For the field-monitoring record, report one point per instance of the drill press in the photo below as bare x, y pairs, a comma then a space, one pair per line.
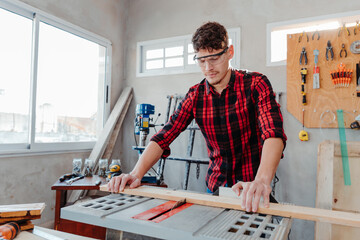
142, 121
142, 128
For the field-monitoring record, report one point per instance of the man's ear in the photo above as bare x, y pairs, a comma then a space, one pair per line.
231, 51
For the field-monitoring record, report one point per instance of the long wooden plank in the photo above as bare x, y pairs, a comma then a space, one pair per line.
119, 109
14, 219
18, 210
115, 133
293, 211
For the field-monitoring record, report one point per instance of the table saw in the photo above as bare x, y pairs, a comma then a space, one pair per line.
157, 218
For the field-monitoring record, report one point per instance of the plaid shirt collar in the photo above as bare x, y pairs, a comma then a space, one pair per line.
210, 89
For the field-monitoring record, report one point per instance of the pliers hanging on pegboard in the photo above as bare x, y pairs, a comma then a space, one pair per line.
316, 33
301, 35
343, 28
357, 27
343, 49
329, 48
303, 55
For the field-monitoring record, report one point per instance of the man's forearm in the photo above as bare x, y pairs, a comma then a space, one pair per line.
270, 158
148, 158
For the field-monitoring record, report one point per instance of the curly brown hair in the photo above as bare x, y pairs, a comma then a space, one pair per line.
210, 36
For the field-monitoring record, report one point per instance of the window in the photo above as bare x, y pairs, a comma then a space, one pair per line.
175, 55
53, 82
277, 32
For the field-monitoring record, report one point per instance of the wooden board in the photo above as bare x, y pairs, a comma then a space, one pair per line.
306, 213
119, 111
327, 99
331, 193
14, 219
26, 226
18, 210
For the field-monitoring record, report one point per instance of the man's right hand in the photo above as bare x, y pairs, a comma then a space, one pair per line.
118, 183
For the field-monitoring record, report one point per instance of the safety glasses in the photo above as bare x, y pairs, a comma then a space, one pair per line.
213, 59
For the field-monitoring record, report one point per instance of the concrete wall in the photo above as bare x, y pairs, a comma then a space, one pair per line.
28, 179
150, 20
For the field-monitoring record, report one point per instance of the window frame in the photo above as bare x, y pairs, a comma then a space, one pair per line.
343, 17
142, 47
36, 16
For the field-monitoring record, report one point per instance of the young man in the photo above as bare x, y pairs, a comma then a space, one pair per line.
238, 116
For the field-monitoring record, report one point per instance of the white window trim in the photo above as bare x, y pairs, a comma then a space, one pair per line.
186, 39
302, 22
37, 15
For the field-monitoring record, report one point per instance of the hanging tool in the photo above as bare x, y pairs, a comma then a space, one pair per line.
9, 231
329, 48
316, 33
303, 55
316, 75
343, 147
358, 79
301, 35
342, 76
303, 73
303, 135
357, 27
345, 29
355, 47
343, 49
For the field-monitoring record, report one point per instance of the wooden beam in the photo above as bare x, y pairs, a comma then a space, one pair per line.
19, 210
292, 211
118, 113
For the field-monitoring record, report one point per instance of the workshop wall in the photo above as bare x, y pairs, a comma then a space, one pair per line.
149, 20
26, 179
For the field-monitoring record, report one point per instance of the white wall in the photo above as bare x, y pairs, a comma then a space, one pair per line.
150, 20
28, 179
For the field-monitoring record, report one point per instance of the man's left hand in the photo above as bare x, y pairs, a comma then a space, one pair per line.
251, 194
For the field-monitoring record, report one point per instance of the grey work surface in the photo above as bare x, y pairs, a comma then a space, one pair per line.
195, 222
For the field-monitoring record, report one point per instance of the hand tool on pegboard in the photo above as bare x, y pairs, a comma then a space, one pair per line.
357, 27
316, 75
343, 50
303, 135
303, 55
329, 49
301, 35
345, 29
303, 73
316, 33
342, 76
358, 79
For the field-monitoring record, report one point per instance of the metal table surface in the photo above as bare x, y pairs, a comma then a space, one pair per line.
116, 212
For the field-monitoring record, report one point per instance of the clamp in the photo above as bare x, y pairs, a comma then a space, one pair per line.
300, 37
316, 33
343, 28
343, 49
329, 48
303, 55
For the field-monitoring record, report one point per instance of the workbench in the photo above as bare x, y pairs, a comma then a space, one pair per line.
87, 183
140, 215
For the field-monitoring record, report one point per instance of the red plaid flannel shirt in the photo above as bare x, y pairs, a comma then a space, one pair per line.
235, 124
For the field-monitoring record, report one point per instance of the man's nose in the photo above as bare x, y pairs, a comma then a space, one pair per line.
208, 66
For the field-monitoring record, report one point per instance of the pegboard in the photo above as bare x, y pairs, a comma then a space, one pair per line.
322, 103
